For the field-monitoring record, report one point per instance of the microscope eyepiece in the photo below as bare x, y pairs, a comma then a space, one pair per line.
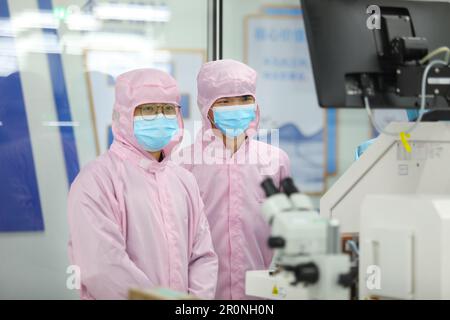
269, 187
288, 186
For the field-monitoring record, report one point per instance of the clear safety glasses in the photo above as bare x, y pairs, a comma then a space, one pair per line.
151, 111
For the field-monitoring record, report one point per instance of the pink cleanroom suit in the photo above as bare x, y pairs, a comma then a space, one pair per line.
230, 183
136, 222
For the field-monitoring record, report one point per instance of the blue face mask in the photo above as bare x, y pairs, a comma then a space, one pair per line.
234, 120
154, 135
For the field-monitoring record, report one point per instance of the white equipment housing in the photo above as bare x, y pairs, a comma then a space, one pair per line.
399, 202
405, 247
387, 168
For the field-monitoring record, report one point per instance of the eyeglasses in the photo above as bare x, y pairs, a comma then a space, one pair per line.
151, 111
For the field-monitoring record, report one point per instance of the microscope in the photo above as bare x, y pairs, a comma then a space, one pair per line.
308, 263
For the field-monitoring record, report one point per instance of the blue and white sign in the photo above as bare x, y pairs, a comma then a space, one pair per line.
277, 49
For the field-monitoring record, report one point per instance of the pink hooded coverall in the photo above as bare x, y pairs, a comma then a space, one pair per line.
230, 183
134, 221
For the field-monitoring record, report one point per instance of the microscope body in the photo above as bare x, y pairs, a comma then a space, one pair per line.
307, 254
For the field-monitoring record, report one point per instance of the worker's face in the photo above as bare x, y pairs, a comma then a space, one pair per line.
155, 124
229, 101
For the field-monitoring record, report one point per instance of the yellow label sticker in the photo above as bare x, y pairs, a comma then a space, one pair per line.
404, 138
275, 291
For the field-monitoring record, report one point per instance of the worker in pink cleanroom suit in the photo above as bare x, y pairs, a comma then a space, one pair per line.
229, 166
136, 218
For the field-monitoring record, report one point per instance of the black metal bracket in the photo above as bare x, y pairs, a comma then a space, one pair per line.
409, 81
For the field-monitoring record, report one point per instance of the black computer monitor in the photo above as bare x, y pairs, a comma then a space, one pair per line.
343, 49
